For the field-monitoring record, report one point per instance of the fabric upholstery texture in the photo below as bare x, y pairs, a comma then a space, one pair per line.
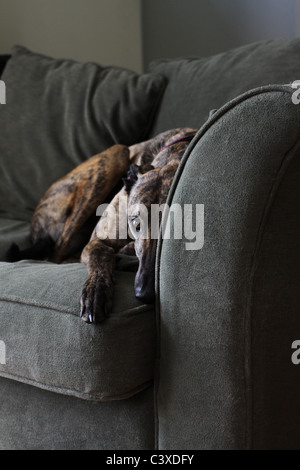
59, 113
228, 313
35, 419
197, 85
49, 346
13, 230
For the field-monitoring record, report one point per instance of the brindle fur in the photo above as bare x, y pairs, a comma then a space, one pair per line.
159, 179
64, 216
154, 163
70, 202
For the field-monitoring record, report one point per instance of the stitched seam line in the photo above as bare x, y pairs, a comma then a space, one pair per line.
49, 306
75, 393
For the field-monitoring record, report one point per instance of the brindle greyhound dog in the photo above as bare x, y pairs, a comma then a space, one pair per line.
65, 216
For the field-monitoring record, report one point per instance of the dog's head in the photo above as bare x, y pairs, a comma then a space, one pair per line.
148, 187
147, 195
147, 184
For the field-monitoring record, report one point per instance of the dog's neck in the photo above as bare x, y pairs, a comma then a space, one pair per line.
181, 139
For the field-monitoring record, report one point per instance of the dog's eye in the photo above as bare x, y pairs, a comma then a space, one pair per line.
137, 224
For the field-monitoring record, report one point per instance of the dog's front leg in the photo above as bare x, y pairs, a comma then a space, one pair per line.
97, 292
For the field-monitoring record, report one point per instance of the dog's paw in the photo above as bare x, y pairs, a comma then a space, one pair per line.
96, 298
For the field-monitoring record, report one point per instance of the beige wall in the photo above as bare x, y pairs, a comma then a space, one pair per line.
106, 31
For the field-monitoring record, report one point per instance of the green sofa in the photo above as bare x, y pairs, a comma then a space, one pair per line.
209, 366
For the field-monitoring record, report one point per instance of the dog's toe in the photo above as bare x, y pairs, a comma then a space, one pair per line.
87, 316
96, 299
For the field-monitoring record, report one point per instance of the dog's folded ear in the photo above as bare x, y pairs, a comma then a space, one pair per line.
133, 173
145, 168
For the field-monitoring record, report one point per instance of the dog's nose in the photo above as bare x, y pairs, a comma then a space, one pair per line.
144, 296
144, 283
145, 293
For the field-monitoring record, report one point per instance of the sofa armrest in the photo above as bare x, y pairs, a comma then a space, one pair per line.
229, 312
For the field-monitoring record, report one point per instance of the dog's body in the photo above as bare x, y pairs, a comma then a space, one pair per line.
64, 218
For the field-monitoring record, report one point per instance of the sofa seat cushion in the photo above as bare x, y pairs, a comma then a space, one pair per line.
48, 345
13, 230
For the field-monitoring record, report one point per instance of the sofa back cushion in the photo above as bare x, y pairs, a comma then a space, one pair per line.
198, 85
60, 112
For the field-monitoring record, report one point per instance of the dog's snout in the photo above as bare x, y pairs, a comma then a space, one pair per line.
144, 284
144, 287
144, 295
